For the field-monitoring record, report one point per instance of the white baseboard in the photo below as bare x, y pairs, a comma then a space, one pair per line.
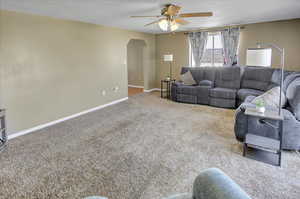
39, 127
151, 90
135, 86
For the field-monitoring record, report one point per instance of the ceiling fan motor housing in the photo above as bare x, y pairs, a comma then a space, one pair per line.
170, 10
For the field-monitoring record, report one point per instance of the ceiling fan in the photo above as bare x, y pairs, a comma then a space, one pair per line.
170, 19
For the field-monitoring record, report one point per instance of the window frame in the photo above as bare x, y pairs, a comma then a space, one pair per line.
213, 63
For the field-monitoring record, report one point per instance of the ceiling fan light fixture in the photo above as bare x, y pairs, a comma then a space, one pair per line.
163, 24
173, 26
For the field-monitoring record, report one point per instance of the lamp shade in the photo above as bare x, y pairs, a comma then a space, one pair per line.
259, 57
168, 58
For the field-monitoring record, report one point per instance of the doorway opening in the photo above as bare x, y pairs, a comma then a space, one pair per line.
135, 66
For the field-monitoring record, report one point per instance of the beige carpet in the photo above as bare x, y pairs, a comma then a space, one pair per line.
144, 148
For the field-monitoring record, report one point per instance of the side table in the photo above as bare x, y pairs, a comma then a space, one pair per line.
263, 148
166, 92
3, 136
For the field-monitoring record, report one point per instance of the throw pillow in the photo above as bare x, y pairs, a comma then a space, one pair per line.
271, 98
187, 78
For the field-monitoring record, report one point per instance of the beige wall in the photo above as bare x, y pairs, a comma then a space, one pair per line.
135, 53
51, 68
286, 34
176, 44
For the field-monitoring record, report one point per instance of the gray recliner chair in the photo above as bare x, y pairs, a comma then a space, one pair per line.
195, 94
213, 184
227, 84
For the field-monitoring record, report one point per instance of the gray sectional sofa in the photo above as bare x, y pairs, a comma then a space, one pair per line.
235, 87
225, 87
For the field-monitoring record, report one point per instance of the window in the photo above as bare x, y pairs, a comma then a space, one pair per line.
213, 55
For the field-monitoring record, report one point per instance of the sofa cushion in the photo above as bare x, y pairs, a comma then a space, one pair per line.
223, 103
225, 93
293, 95
187, 78
206, 83
292, 88
187, 98
203, 94
228, 77
245, 92
257, 78
209, 73
188, 90
289, 79
295, 104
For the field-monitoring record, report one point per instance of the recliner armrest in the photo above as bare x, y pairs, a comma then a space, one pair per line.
206, 83
213, 183
177, 83
249, 98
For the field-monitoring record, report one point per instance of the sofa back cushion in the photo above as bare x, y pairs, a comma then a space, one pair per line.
187, 78
228, 77
258, 78
289, 79
295, 103
293, 96
200, 73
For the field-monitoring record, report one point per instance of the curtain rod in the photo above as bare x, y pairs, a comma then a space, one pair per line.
215, 30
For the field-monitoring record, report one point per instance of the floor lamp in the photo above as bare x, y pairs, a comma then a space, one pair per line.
169, 58
262, 56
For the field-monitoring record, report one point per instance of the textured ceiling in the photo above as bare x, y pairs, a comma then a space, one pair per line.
116, 13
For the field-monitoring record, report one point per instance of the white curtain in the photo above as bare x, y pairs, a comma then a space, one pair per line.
198, 42
230, 41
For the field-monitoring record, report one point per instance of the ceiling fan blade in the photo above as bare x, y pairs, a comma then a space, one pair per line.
181, 21
157, 16
154, 22
197, 14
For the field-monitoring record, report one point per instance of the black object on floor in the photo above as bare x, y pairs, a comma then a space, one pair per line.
3, 137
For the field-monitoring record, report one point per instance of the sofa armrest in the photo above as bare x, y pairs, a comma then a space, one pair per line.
177, 83
206, 83
295, 102
272, 85
249, 99
214, 184
174, 86
291, 131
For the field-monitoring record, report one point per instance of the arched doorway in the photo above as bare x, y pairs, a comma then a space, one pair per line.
135, 66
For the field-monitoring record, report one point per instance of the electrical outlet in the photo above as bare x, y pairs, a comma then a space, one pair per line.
103, 92
115, 89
